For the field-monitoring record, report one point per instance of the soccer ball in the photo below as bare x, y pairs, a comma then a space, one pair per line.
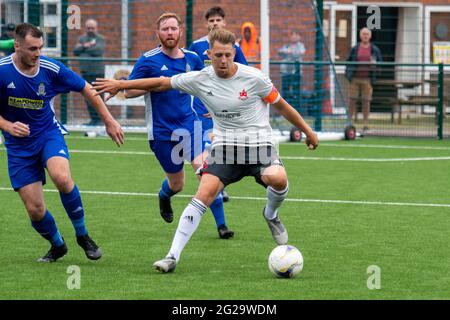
285, 261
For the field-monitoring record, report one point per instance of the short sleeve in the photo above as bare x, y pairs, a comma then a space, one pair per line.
266, 90
186, 82
140, 70
67, 80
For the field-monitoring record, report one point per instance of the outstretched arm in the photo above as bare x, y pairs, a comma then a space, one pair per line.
133, 93
287, 111
114, 86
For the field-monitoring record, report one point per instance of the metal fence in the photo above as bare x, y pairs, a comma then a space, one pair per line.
408, 95
408, 100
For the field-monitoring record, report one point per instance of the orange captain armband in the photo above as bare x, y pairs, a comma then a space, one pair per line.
273, 96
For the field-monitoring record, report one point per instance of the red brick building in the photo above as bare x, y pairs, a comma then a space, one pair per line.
407, 31
408, 28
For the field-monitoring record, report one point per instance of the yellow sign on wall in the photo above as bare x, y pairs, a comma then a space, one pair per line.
441, 52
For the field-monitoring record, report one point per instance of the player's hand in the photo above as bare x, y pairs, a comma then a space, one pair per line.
114, 130
19, 129
312, 141
102, 85
207, 115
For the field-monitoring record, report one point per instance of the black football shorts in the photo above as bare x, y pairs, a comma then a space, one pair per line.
232, 163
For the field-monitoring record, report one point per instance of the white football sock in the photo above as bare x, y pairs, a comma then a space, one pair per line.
188, 223
274, 200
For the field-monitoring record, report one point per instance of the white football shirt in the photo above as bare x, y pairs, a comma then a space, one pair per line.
238, 105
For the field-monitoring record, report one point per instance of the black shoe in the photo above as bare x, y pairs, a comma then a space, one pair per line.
165, 209
92, 251
225, 196
224, 233
54, 253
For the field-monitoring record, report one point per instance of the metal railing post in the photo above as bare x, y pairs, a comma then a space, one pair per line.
440, 106
64, 53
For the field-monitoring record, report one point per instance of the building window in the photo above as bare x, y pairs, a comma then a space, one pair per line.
50, 13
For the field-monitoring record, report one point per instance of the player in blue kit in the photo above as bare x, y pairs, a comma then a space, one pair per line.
215, 19
171, 120
34, 138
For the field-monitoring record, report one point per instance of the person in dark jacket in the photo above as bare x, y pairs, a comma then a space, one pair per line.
362, 76
91, 44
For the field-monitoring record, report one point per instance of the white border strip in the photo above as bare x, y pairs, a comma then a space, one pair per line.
148, 153
378, 203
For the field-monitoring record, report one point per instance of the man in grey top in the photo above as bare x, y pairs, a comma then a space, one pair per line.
91, 44
291, 73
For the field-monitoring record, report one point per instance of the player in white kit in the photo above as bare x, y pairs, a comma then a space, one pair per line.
237, 97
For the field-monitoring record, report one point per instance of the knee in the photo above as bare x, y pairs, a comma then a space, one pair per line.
279, 184
206, 196
275, 177
177, 186
36, 210
63, 182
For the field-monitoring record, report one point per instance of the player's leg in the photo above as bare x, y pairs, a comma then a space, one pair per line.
277, 188
27, 176
174, 181
270, 173
55, 157
216, 206
42, 220
170, 186
208, 136
208, 189
276, 180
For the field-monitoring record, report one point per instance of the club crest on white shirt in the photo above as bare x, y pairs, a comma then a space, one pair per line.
243, 95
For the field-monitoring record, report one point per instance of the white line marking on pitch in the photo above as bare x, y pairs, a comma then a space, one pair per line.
379, 146
366, 159
148, 153
346, 145
282, 157
143, 194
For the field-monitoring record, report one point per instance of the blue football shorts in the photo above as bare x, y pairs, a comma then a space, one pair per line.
207, 128
28, 166
172, 154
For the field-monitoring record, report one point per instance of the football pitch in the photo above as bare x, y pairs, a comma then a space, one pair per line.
371, 218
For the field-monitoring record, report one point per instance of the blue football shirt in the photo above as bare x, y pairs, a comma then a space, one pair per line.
169, 111
30, 99
201, 47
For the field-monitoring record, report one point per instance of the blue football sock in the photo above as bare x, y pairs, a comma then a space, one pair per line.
217, 210
165, 192
47, 228
74, 208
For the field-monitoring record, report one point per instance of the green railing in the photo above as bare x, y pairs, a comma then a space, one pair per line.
408, 99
